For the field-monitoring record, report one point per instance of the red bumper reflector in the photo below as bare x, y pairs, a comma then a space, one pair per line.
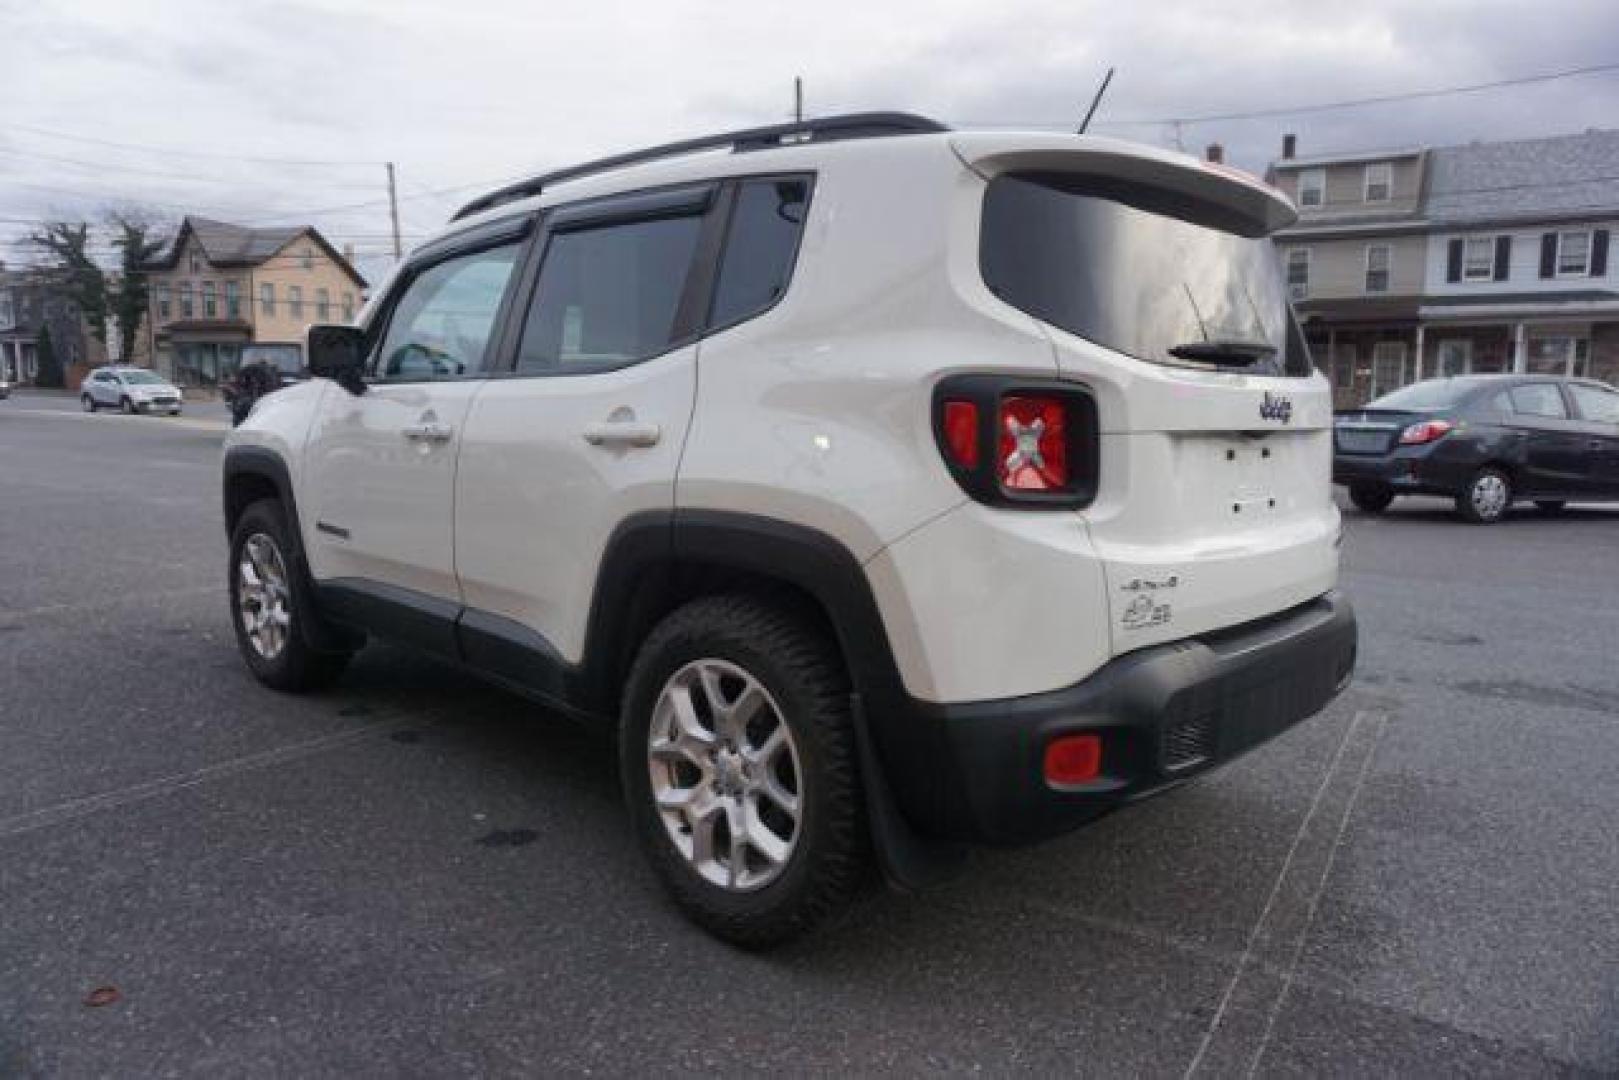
1073, 759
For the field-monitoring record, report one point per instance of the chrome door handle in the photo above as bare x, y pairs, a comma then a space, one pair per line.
428, 431
622, 433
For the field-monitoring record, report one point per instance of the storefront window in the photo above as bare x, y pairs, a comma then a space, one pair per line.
1455, 357
1558, 354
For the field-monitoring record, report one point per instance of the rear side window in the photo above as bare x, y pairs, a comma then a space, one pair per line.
609, 295
1596, 404
1138, 272
1538, 399
760, 248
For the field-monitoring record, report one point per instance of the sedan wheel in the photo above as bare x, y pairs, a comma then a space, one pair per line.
126, 407
1487, 498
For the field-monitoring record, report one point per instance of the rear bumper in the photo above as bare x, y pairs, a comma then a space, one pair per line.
1410, 471
1165, 714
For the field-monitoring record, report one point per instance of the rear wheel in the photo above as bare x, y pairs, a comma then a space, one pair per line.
1487, 497
1371, 498
87, 403
1550, 506
266, 605
737, 752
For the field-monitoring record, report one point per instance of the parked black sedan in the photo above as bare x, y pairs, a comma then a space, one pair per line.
1484, 440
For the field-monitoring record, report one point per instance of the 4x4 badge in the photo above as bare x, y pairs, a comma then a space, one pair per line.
1276, 407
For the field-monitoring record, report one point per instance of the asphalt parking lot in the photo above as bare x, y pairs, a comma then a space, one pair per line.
414, 874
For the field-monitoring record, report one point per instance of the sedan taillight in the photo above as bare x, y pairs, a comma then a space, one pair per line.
1425, 432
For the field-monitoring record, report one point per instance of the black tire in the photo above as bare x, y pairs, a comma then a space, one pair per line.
88, 403
1486, 498
802, 671
1551, 506
126, 406
296, 667
1371, 498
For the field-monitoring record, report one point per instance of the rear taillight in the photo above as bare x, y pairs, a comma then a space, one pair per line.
1034, 444
961, 433
1016, 443
1425, 432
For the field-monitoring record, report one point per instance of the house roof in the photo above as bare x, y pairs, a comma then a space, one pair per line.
227, 245
1565, 176
1345, 157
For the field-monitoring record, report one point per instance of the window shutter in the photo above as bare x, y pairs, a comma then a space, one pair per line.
1599, 253
1503, 257
1453, 268
1548, 255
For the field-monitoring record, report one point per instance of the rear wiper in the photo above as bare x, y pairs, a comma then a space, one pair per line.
1236, 353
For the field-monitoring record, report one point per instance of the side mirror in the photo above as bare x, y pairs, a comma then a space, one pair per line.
337, 352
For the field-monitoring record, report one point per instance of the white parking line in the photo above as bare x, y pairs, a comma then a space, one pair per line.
1227, 1041
34, 820
195, 423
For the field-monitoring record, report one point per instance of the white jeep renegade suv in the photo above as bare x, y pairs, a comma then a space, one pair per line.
890, 488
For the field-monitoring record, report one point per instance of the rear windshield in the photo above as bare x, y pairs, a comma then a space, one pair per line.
1427, 396
1138, 271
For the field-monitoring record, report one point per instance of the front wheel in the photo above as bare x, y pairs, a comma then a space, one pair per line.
266, 605
1486, 498
738, 759
126, 406
1371, 498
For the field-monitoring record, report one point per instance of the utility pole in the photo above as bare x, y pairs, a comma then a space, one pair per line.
393, 209
798, 99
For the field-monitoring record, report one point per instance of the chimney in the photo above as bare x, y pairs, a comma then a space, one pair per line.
348, 253
1215, 153
1290, 144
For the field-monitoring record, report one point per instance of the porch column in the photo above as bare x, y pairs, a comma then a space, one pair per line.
1332, 356
1417, 374
1520, 353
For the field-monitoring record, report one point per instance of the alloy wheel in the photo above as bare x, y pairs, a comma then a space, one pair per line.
726, 775
1489, 496
263, 596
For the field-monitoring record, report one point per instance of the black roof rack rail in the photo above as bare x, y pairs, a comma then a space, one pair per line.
827, 129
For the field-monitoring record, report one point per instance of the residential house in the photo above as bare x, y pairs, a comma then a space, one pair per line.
1518, 272
1488, 257
1355, 262
226, 294
30, 302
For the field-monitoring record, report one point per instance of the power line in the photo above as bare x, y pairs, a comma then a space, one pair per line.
104, 167
1327, 106
178, 152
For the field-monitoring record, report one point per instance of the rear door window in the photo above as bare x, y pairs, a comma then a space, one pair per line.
1138, 272
1538, 399
609, 295
760, 248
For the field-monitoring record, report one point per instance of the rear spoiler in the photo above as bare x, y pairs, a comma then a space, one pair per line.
1246, 205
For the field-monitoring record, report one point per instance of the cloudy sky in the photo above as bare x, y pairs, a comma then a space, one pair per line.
283, 112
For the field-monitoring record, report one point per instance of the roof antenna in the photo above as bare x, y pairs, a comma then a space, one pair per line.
1095, 101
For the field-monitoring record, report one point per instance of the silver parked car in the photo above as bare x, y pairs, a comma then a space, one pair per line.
129, 390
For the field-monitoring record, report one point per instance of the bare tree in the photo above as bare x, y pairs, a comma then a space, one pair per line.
78, 274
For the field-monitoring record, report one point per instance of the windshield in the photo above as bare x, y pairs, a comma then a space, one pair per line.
1128, 268
140, 378
1427, 396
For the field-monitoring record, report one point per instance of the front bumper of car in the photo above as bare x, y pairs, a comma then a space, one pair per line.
976, 772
